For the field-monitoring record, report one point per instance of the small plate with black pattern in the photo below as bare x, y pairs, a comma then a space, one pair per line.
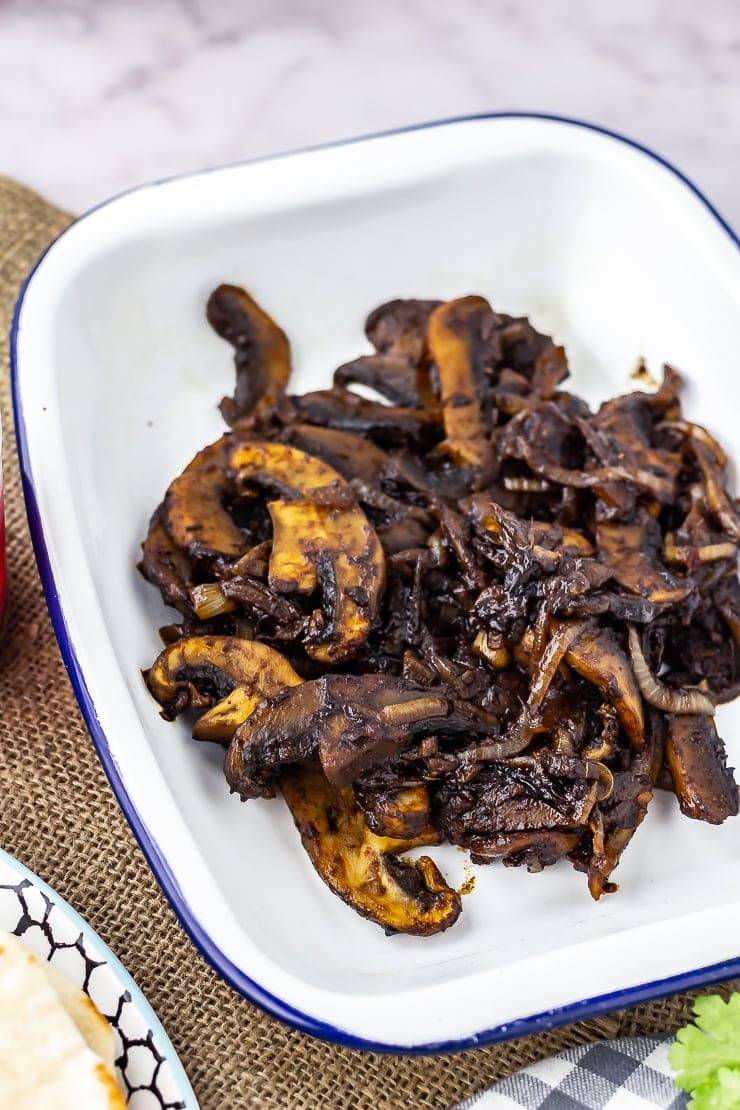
149, 1070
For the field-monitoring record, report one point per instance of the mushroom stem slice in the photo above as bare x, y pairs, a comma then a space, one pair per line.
598, 658
262, 350
452, 336
197, 671
697, 762
362, 868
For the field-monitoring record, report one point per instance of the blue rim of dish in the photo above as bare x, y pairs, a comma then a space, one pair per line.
235, 976
124, 977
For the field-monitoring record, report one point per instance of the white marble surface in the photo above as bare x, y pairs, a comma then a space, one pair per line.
99, 95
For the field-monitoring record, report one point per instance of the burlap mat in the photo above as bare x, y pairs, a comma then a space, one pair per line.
58, 815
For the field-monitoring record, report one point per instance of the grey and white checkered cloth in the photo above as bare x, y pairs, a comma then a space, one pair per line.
632, 1073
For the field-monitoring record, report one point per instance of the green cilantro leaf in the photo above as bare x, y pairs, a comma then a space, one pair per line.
720, 1093
707, 1054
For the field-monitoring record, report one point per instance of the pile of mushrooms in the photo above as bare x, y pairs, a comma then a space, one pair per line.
468, 610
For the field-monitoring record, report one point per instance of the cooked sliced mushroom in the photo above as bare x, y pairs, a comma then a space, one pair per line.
195, 512
392, 377
352, 455
323, 539
496, 544
262, 350
351, 721
597, 657
697, 761
550, 369
389, 425
198, 671
516, 796
615, 821
401, 814
534, 849
362, 868
166, 566
398, 328
290, 472
718, 502
630, 551
453, 333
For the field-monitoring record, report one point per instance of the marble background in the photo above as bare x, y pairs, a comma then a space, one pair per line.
99, 96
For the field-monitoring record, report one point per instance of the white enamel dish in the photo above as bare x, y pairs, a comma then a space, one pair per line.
149, 1071
116, 380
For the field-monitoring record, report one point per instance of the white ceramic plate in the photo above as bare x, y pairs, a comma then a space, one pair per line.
117, 376
148, 1068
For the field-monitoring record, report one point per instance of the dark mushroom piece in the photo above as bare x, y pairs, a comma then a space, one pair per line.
615, 821
362, 868
352, 455
226, 672
392, 377
398, 370
352, 722
597, 657
398, 328
387, 425
453, 335
697, 762
630, 551
321, 538
262, 350
524, 797
166, 566
534, 849
400, 813
195, 509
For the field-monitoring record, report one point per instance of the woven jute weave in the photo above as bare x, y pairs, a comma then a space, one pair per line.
58, 816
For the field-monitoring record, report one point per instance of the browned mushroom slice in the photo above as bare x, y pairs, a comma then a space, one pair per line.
197, 519
398, 328
616, 819
390, 425
392, 377
517, 796
197, 671
262, 350
362, 868
166, 566
531, 848
718, 502
401, 813
291, 472
597, 657
697, 761
322, 539
352, 455
215, 454
453, 334
550, 369
353, 721
630, 551
339, 551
